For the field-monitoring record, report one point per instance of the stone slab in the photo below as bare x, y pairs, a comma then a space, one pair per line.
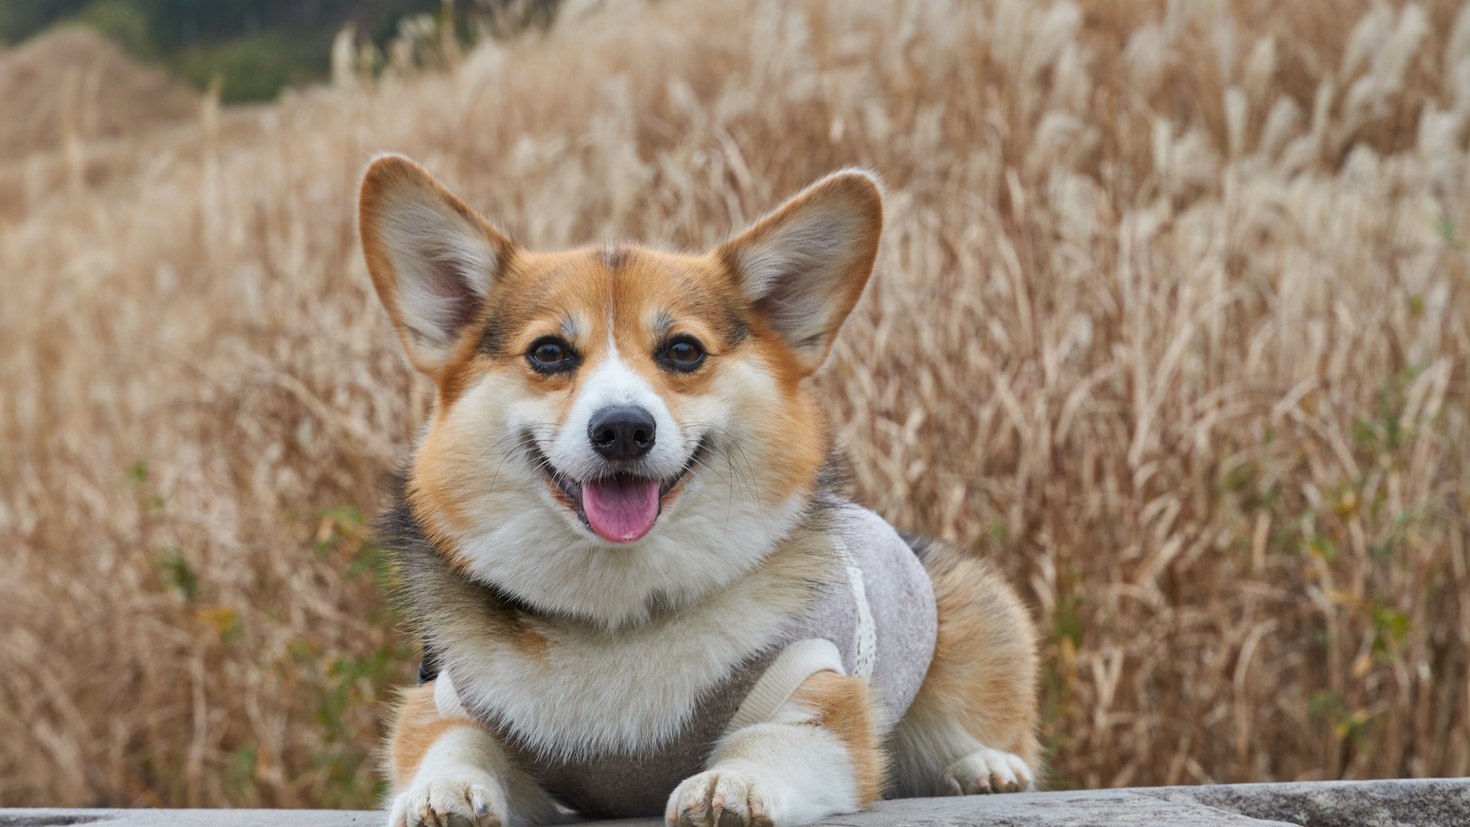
1404, 803
1342, 803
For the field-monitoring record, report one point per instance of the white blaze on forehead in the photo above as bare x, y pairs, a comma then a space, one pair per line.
613, 383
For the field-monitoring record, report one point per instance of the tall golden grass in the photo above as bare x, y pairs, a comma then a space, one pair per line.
1171, 320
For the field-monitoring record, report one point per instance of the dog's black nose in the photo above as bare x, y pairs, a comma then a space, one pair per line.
623, 432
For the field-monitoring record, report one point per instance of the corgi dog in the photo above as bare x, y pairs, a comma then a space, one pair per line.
624, 539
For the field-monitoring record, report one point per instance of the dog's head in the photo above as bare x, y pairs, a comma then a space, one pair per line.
615, 425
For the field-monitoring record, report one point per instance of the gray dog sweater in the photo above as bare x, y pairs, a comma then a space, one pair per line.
875, 619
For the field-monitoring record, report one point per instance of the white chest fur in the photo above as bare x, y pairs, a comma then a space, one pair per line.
591, 690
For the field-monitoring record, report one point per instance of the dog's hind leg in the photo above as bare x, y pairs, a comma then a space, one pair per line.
447, 769
972, 726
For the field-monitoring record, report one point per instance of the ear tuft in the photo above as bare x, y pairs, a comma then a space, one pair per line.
804, 266
432, 259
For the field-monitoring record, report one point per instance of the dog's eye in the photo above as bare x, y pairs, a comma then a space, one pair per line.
682, 354
551, 355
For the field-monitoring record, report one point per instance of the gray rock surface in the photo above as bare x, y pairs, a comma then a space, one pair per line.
1409, 803
1342, 803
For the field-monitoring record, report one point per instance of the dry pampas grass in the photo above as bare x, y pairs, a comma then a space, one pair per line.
1171, 320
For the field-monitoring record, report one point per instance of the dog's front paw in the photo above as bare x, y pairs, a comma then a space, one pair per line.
986, 771
471, 798
724, 797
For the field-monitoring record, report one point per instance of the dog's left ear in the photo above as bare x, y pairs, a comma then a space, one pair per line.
804, 266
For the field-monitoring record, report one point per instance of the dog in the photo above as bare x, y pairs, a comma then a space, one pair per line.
624, 538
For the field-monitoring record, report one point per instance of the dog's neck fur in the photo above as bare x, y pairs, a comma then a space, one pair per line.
509, 656
422, 563
535, 572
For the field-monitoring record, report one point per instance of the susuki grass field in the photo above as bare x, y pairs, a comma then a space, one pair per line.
1171, 319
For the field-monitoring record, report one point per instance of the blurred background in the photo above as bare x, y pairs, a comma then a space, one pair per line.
1171, 320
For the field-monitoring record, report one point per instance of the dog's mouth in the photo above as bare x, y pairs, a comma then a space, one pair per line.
621, 507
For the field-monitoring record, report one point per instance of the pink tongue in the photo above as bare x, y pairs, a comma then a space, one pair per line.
621, 509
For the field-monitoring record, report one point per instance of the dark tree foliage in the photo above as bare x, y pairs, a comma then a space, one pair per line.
254, 47
178, 24
20, 19
185, 23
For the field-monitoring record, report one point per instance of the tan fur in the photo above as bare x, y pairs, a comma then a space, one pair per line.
844, 707
417, 725
984, 671
579, 283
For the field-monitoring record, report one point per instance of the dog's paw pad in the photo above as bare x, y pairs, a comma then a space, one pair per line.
721, 798
467, 801
986, 771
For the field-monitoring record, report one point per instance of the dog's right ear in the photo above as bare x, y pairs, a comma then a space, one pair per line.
432, 259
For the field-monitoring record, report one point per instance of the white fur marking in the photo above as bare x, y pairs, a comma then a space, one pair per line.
786, 772
454, 780
593, 692
986, 770
614, 383
924, 746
